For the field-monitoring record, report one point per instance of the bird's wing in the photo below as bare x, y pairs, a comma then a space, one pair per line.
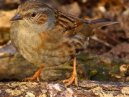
74, 25
68, 22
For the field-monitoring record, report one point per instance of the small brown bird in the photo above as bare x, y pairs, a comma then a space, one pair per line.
46, 36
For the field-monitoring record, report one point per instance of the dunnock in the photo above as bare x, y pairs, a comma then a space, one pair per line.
46, 36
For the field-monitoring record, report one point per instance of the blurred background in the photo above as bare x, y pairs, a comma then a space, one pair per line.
107, 55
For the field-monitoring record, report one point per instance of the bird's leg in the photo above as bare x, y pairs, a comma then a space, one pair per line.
36, 75
73, 78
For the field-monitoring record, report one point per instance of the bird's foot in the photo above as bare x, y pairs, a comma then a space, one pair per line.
72, 79
35, 76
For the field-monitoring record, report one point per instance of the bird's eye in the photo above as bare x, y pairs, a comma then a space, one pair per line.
33, 14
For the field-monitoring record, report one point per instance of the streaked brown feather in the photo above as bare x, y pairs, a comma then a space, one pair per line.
41, 19
67, 21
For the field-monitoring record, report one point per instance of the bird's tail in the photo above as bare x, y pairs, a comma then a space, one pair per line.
95, 24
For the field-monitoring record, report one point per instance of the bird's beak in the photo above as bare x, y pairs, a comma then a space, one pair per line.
16, 17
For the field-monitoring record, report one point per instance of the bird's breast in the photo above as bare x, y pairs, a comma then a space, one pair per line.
39, 48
